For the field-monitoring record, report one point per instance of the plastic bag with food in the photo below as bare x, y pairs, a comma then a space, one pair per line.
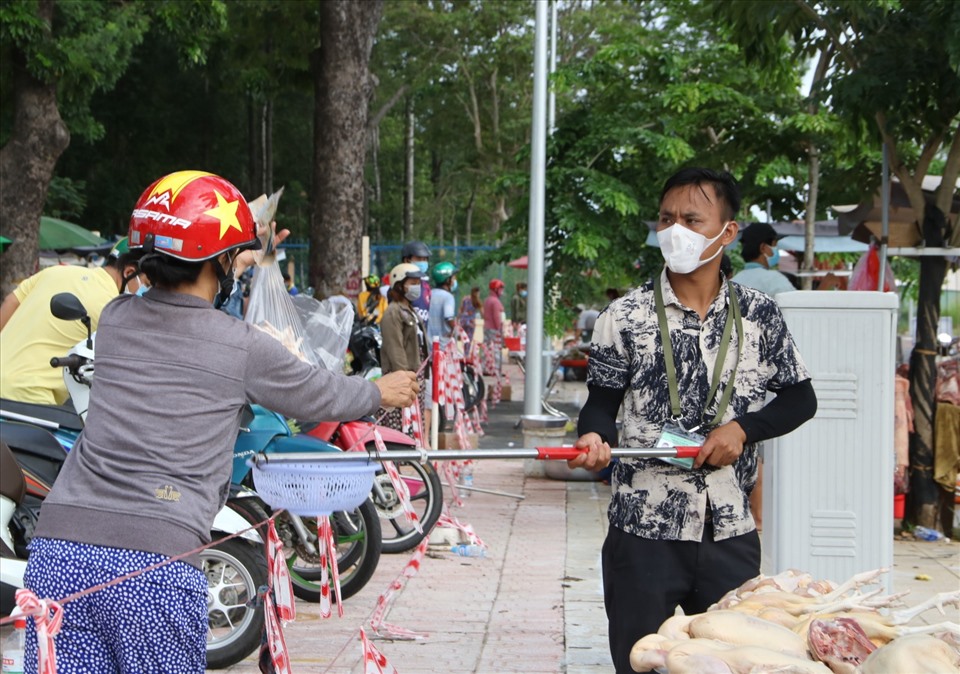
270, 307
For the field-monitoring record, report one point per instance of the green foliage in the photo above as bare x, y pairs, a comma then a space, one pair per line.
65, 199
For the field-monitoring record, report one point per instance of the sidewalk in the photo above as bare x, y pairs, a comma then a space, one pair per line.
535, 603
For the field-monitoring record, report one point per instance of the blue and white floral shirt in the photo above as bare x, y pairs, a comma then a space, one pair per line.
656, 500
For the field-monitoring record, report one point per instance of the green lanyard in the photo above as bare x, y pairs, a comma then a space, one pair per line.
733, 316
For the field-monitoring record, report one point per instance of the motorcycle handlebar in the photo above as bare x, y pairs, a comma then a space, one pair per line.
73, 361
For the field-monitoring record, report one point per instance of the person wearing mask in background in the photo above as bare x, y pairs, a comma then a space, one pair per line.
493, 324
443, 305
418, 253
371, 303
174, 376
518, 306
468, 313
680, 532
404, 337
30, 335
759, 250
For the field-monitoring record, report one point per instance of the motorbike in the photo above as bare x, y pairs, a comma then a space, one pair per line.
364, 349
421, 479
37, 439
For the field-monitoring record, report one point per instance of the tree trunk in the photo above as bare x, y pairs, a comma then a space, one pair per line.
342, 87
268, 147
408, 171
253, 148
810, 218
922, 500
468, 226
38, 138
436, 165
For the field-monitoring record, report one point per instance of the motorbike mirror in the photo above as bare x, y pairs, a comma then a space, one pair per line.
68, 307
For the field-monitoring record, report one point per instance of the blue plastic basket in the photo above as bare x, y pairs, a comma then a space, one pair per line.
311, 489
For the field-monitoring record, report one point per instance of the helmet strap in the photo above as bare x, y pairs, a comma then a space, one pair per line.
225, 280
129, 277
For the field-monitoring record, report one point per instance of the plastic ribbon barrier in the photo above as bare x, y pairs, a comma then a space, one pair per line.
374, 662
412, 423
328, 560
448, 520
377, 623
278, 579
276, 646
399, 486
47, 618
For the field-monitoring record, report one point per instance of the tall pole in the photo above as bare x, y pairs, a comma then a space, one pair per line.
533, 379
884, 217
551, 95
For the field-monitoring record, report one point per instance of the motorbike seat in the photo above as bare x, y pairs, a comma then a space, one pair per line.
32, 440
63, 416
12, 484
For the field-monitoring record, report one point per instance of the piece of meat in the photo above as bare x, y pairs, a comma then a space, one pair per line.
916, 654
676, 627
841, 644
742, 659
741, 629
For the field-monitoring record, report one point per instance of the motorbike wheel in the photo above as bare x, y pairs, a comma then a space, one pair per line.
235, 571
426, 497
359, 545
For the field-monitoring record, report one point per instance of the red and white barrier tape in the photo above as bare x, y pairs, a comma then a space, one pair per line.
278, 578
276, 644
399, 486
327, 546
377, 623
47, 618
448, 520
374, 662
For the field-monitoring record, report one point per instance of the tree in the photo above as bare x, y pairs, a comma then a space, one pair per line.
893, 68
343, 89
656, 87
55, 57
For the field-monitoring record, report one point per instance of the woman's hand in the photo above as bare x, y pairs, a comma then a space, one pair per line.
597, 455
398, 389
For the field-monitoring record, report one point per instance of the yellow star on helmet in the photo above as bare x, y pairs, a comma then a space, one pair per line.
226, 213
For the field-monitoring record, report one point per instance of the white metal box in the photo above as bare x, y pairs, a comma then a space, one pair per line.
828, 486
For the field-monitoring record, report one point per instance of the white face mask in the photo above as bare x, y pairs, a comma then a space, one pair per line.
682, 247
412, 293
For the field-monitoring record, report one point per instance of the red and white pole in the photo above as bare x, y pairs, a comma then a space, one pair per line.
435, 395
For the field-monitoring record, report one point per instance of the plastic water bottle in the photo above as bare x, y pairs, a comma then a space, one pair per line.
466, 479
925, 534
13, 647
468, 550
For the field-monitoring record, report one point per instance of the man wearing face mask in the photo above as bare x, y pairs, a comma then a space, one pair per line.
30, 335
759, 248
690, 357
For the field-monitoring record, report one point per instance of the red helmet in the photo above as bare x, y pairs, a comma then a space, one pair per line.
192, 216
496, 284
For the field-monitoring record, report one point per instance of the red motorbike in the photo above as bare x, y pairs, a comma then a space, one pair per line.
421, 479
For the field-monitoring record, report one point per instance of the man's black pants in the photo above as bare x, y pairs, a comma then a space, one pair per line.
645, 580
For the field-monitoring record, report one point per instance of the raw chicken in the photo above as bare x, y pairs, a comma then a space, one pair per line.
742, 629
840, 643
740, 660
916, 654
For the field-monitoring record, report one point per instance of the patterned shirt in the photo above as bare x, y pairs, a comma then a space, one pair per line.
656, 500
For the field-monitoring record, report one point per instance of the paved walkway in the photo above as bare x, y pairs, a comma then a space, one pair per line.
535, 604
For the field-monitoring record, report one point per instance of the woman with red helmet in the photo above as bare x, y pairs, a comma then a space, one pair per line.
153, 465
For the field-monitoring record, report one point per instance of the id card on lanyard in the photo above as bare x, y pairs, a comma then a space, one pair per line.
674, 434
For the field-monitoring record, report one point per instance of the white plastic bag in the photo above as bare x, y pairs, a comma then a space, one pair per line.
326, 329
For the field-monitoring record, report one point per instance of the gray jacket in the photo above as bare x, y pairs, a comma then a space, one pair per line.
153, 464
